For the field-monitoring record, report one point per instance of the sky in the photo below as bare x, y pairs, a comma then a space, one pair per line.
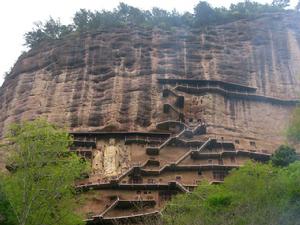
18, 16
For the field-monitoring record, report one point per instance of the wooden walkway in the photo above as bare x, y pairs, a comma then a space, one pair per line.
236, 95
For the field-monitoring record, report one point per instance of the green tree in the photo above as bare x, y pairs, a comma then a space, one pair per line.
283, 156
50, 30
290, 213
39, 187
293, 131
160, 17
281, 3
250, 9
187, 19
7, 216
254, 194
204, 14
130, 15
82, 19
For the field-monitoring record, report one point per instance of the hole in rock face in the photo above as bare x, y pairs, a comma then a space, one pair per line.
220, 161
252, 143
150, 181
232, 159
178, 178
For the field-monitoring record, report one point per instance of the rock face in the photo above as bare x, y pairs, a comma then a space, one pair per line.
108, 81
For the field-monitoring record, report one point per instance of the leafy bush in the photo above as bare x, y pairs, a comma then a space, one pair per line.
283, 156
293, 131
7, 216
254, 194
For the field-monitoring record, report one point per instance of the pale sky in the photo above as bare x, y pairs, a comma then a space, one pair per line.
17, 17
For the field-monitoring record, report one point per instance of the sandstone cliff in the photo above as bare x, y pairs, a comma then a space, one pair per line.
109, 80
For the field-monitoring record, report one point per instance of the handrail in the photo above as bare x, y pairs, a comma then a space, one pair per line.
204, 145
78, 142
130, 169
234, 152
181, 158
171, 138
123, 133
102, 215
167, 141
172, 92
177, 96
144, 139
158, 185
198, 126
211, 166
185, 128
171, 121
132, 216
173, 108
216, 182
237, 94
181, 187
230, 85
190, 151
109, 208
136, 138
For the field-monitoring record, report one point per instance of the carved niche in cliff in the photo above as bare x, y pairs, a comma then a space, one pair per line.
110, 159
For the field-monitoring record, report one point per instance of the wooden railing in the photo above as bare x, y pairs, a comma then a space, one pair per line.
200, 83
236, 94
143, 139
178, 160
173, 108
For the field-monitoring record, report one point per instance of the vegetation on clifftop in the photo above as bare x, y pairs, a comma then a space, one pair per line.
124, 15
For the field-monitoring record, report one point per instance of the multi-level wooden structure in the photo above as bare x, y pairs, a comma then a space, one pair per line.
136, 173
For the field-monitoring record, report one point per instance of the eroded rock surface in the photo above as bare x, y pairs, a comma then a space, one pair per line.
108, 80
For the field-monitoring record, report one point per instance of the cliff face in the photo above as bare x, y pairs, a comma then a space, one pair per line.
109, 80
